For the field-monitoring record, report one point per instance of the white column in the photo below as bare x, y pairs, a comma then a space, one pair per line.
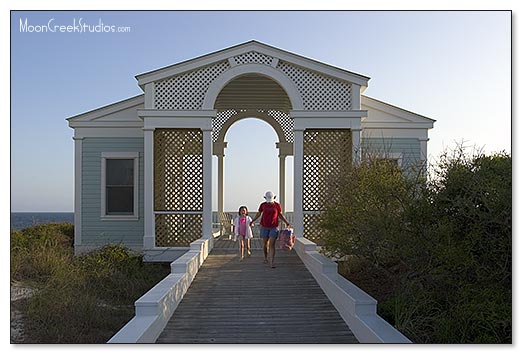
78, 146
285, 149
356, 97
150, 93
207, 183
221, 184
424, 154
218, 149
356, 146
298, 182
282, 179
149, 238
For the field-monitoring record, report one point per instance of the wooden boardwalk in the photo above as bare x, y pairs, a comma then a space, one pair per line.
256, 244
248, 302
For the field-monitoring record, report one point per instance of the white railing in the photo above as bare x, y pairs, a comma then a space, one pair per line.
154, 309
357, 308
215, 217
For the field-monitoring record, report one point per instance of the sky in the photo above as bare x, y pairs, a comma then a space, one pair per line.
451, 66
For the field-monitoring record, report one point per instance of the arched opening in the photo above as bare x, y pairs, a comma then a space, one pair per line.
251, 166
252, 137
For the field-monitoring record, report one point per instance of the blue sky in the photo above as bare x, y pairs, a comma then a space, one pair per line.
454, 67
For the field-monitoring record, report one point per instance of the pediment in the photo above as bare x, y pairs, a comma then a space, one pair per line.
384, 114
252, 52
120, 112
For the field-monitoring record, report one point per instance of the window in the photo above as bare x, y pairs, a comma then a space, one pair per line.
119, 188
391, 161
394, 158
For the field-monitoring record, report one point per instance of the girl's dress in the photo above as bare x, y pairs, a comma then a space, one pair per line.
242, 223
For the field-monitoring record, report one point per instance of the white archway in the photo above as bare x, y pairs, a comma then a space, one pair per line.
283, 91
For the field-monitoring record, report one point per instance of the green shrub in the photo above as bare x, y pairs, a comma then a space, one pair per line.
366, 220
446, 244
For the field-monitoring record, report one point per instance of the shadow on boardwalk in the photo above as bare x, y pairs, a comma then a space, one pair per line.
248, 302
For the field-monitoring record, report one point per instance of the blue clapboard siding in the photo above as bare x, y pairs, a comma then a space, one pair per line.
410, 149
97, 232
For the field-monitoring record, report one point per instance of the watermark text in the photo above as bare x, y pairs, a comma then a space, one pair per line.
76, 26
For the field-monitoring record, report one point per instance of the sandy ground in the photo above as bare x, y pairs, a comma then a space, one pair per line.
18, 292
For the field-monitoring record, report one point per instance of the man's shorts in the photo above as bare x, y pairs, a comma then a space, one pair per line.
268, 232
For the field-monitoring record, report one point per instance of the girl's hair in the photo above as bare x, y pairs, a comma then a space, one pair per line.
241, 207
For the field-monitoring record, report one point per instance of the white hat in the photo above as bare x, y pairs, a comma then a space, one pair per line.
269, 197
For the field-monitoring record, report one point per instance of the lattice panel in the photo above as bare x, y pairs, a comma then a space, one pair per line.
178, 170
318, 92
327, 154
253, 57
219, 121
176, 230
311, 228
287, 123
187, 91
283, 118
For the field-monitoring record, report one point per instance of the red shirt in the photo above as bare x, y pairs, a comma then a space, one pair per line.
270, 215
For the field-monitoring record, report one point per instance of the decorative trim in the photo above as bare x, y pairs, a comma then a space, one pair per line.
108, 109
395, 133
108, 132
327, 123
328, 114
394, 110
78, 156
171, 113
150, 94
232, 62
397, 125
246, 47
105, 124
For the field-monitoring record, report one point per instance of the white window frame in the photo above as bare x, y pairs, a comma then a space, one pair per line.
125, 156
392, 156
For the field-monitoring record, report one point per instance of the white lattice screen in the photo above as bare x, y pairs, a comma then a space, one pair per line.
178, 186
318, 92
327, 156
253, 57
219, 121
287, 123
187, 91
283, 118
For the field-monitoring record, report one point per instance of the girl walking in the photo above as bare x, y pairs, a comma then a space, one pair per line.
242, 231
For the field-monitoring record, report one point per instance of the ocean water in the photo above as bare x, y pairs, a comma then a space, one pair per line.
22, 220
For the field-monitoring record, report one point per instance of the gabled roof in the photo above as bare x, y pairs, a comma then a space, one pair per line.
382, 114
247, 47
122, 111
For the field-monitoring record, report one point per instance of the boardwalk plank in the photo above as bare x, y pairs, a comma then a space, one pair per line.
249, 302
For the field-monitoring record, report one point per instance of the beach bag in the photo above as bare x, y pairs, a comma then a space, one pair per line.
286, 239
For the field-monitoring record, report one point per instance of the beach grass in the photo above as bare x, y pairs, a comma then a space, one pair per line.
75, 299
